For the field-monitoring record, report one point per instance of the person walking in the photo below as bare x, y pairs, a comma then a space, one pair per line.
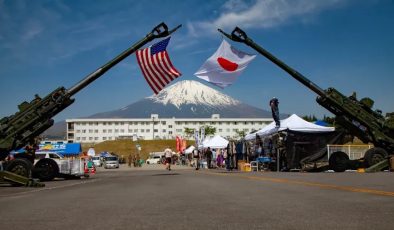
130, 159
196, 158
168, 156
208, 153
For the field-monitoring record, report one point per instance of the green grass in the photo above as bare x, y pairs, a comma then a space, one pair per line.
125, 147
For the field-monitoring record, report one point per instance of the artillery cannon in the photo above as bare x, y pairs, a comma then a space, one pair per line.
21, 129
355, 116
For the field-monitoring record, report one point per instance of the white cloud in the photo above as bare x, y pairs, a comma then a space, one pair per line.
261, 14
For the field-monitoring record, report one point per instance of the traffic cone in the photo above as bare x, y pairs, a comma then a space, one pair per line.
85, 168
93, 171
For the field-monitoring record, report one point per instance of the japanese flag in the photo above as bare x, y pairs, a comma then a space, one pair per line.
224, 66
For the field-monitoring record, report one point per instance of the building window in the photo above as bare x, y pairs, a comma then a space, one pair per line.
220, 130
96, 131
164, 131
84, 138
78, 138
90, 130
83, 130
121, 123
147, 130
109, 123
155, 130
235, 123
78, 131
169, 126
109, 130
116, 130
104, 131
163, 122
104, 138
96, 138
169, 132
136, 130
142, 130
121, 130
130, 130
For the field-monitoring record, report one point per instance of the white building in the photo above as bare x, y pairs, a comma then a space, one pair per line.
94, 130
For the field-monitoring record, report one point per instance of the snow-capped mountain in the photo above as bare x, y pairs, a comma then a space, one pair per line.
186, 99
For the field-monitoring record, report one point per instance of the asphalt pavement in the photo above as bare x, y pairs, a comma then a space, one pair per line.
151, 197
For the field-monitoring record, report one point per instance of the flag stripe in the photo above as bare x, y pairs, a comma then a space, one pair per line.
157, 69
155, 76
166, 66
139, 60
148, 71
153, 84
173, 70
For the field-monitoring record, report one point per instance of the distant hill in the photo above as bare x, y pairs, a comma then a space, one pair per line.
185, 99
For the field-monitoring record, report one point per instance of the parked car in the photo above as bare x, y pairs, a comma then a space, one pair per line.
111, 162
97, 161
153, 160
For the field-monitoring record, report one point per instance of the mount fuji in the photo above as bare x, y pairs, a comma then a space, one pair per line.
187, 99
184, 99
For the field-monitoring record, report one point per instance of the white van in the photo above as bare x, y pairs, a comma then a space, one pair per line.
153, 160
97, 161
111, 162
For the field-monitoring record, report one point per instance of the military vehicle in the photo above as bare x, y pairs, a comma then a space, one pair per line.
21, 129
356, 116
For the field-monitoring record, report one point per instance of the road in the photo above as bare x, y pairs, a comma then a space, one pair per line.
153, 198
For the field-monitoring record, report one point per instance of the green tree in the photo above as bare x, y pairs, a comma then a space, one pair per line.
189, 132
310, 118
241, 133
209, 130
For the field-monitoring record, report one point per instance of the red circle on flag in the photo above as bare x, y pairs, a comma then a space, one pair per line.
226, 64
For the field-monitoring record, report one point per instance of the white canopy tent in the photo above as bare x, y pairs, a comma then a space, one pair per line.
216, 142
293, 123
190, 149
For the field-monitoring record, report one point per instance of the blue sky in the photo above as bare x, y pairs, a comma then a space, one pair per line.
346, 44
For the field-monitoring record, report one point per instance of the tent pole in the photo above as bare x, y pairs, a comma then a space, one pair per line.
277, 159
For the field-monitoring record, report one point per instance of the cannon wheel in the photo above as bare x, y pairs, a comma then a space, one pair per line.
46, 169
338, 161
374, 155
20, 166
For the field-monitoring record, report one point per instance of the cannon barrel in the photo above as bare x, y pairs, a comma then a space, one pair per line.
355, 116
239, 35
35, 117
159, 31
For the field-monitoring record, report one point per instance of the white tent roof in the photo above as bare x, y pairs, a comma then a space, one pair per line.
216, 142
190, 149
294, 123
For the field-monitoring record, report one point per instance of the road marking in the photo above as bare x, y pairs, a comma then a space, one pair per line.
49, 188
311, 184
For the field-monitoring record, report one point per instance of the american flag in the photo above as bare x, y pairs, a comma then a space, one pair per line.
156, 65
